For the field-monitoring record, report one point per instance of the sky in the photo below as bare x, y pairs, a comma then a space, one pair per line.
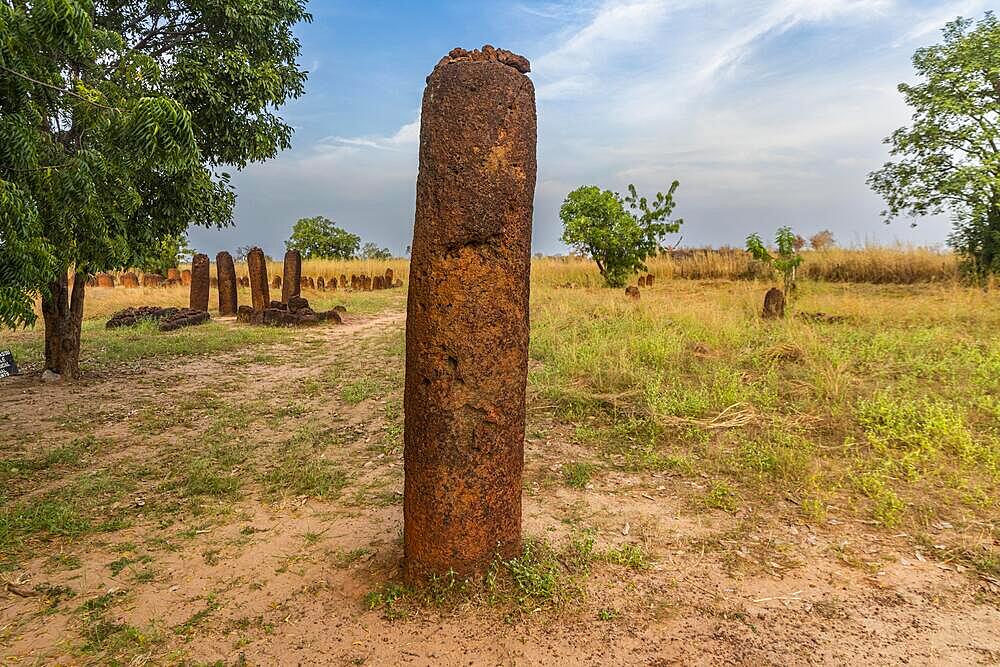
768, 112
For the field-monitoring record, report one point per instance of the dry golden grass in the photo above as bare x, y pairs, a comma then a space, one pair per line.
896, 265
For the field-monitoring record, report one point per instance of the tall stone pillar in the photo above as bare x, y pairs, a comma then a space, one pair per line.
467, 315
291, 281
226, 271
200, 280
260, 296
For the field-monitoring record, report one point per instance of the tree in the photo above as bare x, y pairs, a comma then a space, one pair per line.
596, 223
822, 240
785, 262
321, 238
948, 161
372, 251
116, 118
166, 255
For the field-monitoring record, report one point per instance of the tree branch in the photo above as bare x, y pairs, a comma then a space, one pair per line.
56, 88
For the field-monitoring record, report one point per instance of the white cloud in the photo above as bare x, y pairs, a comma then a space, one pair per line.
405, 136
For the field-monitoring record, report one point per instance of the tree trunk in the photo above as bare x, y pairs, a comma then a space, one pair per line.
62, 310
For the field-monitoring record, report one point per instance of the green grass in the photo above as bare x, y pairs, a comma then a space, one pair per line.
102, 347
892, 410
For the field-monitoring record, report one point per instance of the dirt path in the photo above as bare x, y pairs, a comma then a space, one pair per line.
259, 576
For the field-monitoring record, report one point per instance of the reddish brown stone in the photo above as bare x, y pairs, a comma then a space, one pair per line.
174, 274
632, 292
276, 282
354, 281
184, 317
377, 282
387, 279
774, 304
398, 283
152, 280
642, 281
105, 280
467, 315
226, 270
199, 282
257, 265
186, 277
130, 280
649, 280
320, 283
291, 281
343, 281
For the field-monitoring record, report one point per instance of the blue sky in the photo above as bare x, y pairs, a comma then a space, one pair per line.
769, 112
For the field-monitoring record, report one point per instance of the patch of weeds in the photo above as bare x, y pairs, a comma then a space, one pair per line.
117, 566
534, 574
632, 556
359, 390
210, 556
113, 642
887, 507
203, 478
577, 474
301, 473
814, 509
66, 561
54, 595
388, 598
606, 614
343, 559
720, 496
188, 627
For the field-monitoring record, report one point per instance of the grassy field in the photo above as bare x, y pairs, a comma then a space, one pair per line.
700, 485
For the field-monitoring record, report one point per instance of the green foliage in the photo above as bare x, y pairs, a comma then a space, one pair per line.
372, 251
786, 261
597, 223
165, 255
321, 238
114, 119
948, 161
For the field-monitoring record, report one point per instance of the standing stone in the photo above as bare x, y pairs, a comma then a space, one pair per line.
186, 277
173, 274
632, 292
642, 281
320, 283
343, 281
199, 282
152, 280
276, 282
105, 280
224, 267
774, 304
130, 280
291, 281
388, 278
649, 280
260, 296
467, 315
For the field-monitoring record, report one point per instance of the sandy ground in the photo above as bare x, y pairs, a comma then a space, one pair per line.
264, 581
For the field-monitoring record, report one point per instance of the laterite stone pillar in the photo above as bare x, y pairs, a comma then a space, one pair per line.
291, 281
200, 280
260, 296
226, 271
467, 315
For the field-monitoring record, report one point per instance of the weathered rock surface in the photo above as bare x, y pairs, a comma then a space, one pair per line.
183, 317
200, 279
228, 297
257, 265
467, 315
774, 304
291, 279
132, 316
632, 292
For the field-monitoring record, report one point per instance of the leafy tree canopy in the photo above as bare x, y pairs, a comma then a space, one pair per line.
116, 117
618, 233
372, 251
787, 259
948, 161
321, 238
